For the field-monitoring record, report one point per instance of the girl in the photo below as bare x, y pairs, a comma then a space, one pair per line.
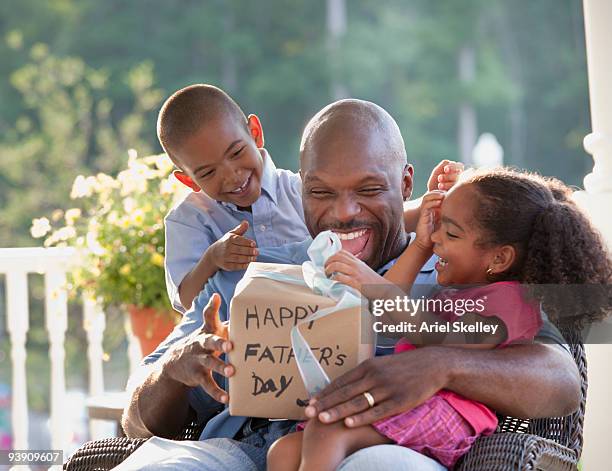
497, 229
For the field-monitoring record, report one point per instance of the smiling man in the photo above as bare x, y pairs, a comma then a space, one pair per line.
356, 178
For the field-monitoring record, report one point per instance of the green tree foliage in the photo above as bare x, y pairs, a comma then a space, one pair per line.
66, 128
92, 92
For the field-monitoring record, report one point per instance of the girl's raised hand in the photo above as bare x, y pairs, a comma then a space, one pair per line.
444, 175
345, 268
426, 225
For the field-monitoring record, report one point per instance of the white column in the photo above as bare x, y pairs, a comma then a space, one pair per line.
134, 352
56, 310
94, 323
18, 324
336, 29
597, 201
467, 129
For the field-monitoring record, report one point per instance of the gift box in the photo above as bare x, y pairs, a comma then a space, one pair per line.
268, 303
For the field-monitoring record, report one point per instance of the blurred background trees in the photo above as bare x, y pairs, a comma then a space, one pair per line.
81, 80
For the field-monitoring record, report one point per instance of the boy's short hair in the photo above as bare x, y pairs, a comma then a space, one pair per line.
190, 108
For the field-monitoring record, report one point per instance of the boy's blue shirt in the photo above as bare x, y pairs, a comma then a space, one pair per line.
224, 283
277, 218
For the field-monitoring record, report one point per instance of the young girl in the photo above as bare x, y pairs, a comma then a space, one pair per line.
497, 229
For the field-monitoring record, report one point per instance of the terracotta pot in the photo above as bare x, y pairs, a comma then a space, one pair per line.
150, 326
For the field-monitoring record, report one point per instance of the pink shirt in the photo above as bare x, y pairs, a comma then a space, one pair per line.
521, 317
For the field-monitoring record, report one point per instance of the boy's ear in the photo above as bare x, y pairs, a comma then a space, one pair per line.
256, 130
503, 259
186, 180
407, 175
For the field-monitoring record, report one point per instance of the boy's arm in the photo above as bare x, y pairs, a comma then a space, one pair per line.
187, 239
194, 280
231, 252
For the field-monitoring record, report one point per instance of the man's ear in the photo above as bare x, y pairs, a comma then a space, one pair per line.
256, 130
503, 259
407, 175
186, 180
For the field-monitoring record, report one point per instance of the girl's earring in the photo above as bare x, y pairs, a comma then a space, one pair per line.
490, 274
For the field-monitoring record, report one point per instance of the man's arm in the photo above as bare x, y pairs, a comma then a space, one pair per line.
166, 417
523, 381
159, 402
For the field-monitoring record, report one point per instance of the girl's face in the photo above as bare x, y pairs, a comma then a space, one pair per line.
462, 261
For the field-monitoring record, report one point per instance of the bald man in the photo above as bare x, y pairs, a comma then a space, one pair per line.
355, 180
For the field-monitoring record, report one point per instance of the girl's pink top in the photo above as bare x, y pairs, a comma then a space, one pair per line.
522, 320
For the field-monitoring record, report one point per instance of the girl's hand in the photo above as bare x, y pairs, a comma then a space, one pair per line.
444, 175
348, 269
426, 225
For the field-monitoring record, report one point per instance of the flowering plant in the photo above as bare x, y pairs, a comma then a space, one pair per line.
118, 229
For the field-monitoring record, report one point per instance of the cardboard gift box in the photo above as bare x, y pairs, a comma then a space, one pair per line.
267, 382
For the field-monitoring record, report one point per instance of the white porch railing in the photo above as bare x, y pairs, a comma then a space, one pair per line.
54, 264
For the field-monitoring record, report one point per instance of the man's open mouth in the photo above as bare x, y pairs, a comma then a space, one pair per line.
354, 241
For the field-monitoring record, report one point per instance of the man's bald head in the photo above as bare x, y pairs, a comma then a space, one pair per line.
355, 178
358, 121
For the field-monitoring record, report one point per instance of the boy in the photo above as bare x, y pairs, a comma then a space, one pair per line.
240, 200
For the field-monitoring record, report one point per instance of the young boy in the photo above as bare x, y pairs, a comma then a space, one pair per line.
240, 200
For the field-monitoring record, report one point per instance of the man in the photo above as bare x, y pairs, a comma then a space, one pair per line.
355, 179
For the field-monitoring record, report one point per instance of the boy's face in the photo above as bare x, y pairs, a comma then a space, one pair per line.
223, 159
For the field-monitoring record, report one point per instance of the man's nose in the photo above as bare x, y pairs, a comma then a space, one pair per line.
345, 208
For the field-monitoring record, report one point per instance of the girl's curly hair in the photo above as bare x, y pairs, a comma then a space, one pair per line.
555, 243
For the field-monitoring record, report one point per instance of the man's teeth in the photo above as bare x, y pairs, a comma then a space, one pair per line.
351, 235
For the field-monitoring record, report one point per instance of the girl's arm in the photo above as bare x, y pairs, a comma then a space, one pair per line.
443, 177
409, 264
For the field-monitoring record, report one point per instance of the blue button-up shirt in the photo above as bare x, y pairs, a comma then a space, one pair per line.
224, 283
277, 218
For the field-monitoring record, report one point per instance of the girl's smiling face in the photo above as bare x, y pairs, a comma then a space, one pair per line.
462, 260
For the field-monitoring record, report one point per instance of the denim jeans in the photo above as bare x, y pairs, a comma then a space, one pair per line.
249, 454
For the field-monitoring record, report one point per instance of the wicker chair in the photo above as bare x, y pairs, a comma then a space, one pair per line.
538, 444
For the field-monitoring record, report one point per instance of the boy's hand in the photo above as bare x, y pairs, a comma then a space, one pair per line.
444, 175
348, 269
426, 225
233, 251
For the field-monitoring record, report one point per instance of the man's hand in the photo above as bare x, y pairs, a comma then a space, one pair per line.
444, 175
348, 269
398, 383
233, 251
194, 360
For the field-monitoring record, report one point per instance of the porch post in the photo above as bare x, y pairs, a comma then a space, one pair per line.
597, 201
